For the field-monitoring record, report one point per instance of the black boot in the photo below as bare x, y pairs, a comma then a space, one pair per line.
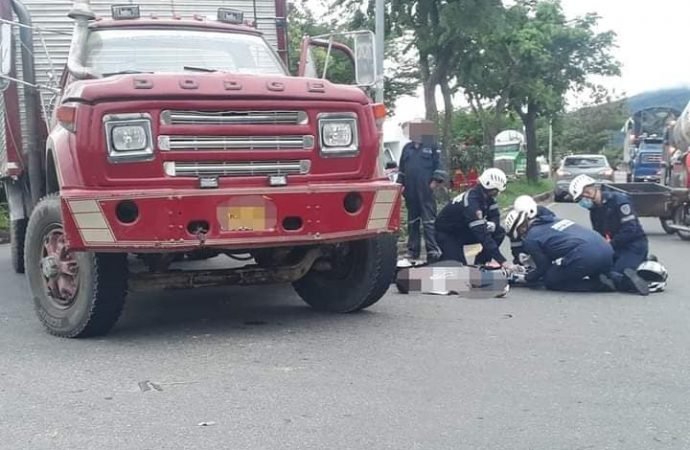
638, 283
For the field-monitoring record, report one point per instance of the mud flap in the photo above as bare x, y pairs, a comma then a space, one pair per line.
452, 278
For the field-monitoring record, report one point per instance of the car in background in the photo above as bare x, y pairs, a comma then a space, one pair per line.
595, 166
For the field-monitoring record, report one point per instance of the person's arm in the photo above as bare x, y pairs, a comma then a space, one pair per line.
439, 173
629, 227
516, 248
597, 222
402, 166
541, 261
477, 224
494, 214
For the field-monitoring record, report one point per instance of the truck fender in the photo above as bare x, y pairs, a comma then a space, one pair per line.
62, 168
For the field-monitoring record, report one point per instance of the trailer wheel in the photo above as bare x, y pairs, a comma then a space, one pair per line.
680, 217
75, 294
665, 225
17, 235
361, 274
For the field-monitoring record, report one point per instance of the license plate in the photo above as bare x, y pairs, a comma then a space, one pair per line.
249, 218
252, 213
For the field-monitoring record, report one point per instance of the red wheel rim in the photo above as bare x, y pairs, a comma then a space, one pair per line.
60, 269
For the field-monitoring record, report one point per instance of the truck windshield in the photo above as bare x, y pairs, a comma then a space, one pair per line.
506, 148
160, 50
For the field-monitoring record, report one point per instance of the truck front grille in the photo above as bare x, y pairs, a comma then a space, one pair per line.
651, 158
236, 169
506, 165
169, 117
168, 143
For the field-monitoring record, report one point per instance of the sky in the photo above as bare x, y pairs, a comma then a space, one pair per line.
650, 36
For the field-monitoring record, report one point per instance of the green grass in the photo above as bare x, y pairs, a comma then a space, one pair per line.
4, 217
523, 187
515, 189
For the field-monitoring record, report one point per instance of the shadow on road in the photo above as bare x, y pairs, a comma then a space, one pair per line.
227, 311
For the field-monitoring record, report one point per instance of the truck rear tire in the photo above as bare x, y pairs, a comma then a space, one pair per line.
17, 235
359, 278
75, 294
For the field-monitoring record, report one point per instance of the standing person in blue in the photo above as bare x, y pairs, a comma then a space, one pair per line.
473, 217
420, 172
613, 216
567, 256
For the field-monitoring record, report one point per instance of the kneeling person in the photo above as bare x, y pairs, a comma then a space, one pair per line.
526, 204
567, 256
473, 217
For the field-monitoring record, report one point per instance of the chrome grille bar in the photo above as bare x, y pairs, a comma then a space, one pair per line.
173, 143
169, 117
229, 169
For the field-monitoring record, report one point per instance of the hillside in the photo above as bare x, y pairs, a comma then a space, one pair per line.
676, 98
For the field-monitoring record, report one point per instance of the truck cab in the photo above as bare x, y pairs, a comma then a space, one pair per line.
170, 136
647, 161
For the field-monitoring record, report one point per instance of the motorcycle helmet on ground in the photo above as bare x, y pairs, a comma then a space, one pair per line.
654, 273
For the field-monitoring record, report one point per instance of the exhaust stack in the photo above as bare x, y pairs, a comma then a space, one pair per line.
81, 13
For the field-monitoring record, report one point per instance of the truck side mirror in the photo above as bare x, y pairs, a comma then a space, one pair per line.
5, 55
333, 53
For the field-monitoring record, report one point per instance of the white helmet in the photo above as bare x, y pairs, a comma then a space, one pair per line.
526, 203
493, 179
514, 220
578, 185
655, 274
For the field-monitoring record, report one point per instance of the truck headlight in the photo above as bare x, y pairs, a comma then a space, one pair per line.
129, 137
338, 134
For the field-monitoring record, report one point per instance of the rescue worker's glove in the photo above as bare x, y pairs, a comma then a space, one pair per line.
490, 227
517, 278
439, 175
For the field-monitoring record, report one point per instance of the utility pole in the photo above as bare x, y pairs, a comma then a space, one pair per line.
380, 38
550, 147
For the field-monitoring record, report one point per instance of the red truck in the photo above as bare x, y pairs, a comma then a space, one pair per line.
173, 137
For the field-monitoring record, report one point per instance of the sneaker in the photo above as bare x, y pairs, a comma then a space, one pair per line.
607, 282
640, 285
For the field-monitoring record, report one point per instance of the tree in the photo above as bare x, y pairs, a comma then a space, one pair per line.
551, 55
400, 81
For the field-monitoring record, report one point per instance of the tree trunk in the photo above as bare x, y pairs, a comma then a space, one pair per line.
447, 112
529, 119
431, 110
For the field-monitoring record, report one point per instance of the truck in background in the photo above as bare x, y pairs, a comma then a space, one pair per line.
510, 153
163, 133
646, 160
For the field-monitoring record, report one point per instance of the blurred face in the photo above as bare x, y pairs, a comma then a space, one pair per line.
592, 193
493, 193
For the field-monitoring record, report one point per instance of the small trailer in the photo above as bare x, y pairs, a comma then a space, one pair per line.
671, 205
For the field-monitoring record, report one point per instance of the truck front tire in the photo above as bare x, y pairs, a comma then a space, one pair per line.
17, 235
359, 277
75, 294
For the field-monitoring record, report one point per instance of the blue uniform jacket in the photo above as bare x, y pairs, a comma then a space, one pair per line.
466, 217
550, 238
516, 246
418, 166
617, 218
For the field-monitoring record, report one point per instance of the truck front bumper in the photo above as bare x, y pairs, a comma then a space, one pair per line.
242, 218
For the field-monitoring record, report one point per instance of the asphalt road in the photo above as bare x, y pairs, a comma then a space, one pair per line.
536, 370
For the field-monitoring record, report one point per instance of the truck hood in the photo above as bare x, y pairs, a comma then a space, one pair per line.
208, 86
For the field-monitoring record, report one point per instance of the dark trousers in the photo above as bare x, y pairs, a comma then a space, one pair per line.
629, 257
421, 214
452, 246
579, 273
